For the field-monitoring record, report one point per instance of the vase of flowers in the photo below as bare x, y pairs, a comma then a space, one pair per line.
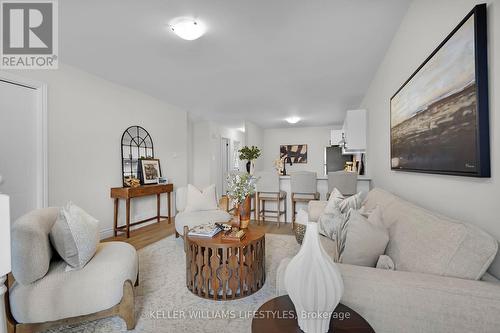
249, 154
240, 188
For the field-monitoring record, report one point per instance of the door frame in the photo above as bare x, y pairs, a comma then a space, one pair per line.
42, 135
225, 144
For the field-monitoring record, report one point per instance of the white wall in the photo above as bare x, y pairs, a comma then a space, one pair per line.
207, 156
86, 118
425, 25
316, 138
254, 137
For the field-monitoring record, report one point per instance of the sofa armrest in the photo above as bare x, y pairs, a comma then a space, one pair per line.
315, 209
397, 301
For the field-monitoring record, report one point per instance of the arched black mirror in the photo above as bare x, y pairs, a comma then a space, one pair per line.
136, 144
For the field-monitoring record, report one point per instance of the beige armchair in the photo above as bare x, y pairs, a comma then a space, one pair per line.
43, 294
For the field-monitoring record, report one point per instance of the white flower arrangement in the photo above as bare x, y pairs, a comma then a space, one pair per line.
240, 186
278, 165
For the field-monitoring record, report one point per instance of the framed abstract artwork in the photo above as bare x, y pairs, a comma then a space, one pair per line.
439, 116
297, 153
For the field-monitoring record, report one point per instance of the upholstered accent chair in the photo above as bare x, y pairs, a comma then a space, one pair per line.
345, 182
44, 294
194, 218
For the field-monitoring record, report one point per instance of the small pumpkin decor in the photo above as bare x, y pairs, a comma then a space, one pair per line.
241, 186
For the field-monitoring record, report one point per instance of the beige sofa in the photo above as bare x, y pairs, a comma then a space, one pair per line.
45, 294
437, 284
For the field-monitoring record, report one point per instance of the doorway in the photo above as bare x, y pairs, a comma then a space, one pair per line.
225, 160
23, 144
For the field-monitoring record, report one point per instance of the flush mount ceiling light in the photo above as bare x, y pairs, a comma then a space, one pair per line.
292, 120
187, 28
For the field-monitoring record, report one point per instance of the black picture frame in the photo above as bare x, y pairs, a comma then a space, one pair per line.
296, 153
143, 180
482, 167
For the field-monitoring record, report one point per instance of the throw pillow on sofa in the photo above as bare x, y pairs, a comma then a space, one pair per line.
385, 262
328, 222
75, 235
201, 200
359, 241
337, 200
336, 212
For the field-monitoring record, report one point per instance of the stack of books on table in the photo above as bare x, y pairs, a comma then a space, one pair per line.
234, 235
205, 230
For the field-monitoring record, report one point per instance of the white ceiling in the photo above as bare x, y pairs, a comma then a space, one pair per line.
260, 60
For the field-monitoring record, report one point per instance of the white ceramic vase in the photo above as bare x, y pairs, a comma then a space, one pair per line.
314, 283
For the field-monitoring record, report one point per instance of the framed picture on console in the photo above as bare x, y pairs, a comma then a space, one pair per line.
439, 116
150, 171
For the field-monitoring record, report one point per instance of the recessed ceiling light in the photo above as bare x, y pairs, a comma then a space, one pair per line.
187, 28
292, 120
241, 129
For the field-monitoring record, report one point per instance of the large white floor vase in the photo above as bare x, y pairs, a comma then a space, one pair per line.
314, 283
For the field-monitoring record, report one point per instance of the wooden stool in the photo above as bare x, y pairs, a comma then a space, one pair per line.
304, 188
277, 197
301, 197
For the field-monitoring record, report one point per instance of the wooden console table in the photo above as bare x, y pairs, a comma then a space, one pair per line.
128, 193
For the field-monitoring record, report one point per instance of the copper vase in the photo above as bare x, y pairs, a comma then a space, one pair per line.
243, 211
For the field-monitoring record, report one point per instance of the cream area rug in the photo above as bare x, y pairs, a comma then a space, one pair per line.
164, 304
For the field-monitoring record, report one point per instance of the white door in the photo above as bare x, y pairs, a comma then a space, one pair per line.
19, 147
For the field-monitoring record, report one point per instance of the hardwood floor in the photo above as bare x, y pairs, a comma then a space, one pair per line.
152, 233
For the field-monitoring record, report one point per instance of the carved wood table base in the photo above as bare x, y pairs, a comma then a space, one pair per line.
223, 270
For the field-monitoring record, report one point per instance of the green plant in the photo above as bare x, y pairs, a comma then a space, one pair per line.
240, 186
249, 153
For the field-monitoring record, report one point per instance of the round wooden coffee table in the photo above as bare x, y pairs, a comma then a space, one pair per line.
224, 270
275, 316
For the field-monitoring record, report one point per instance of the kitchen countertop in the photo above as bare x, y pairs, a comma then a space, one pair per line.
364, 177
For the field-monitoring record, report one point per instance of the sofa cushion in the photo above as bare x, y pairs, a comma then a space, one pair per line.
61, 294
426, 242
31, 249
192, 219
75, 235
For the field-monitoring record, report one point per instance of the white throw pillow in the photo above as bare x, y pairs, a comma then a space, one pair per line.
201, 200
374, 216
181, 198
361, 242
328, 223
75, 235
344, 204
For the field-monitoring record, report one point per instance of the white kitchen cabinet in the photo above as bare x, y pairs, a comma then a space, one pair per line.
335, 137
354, 130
